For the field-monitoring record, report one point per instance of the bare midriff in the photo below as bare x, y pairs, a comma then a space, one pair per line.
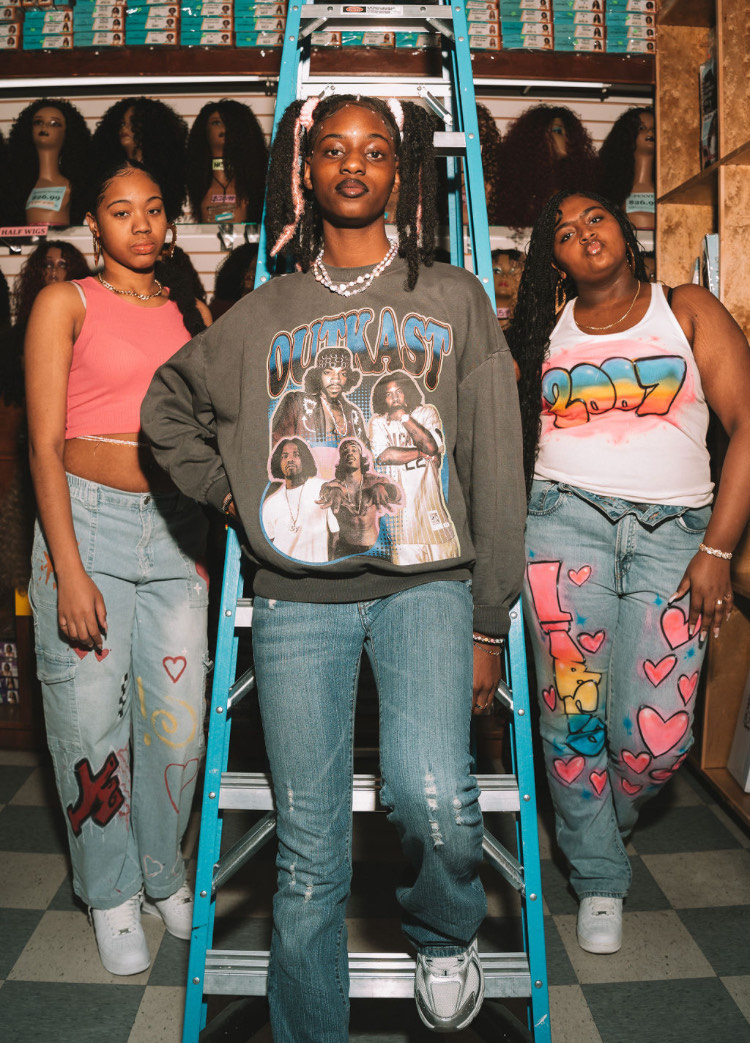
131, 468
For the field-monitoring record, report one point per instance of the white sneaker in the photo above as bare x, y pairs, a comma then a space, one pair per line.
176, 911
120, 938
599, 926
449, 989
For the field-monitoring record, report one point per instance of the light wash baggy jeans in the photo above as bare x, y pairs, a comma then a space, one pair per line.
617, 672
307, 662
125, 726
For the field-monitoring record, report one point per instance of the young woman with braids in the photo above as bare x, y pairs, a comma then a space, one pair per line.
627, 564
118, 593
380, 312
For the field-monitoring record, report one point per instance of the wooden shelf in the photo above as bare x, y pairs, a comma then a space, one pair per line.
740, 157
687, 12
697, 191
254, 62
730, 790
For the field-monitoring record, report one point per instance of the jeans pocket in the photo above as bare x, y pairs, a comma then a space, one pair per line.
695, 521
545, 499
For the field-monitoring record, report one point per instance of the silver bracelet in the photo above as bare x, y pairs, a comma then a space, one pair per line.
725, 554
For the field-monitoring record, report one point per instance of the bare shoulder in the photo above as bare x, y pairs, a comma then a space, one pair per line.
696, 301
60, 298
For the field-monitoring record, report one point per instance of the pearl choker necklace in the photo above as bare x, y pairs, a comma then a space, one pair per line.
131, 293
358, 285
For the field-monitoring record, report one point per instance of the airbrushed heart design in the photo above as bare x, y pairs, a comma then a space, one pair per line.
579, 576
686, 686
674, 626
591, 642
175, 666
83, 652
657, 672
660, 734
679, 761
569, 770
661, 774
598, 781
151, 867
631, 788
637, 762
550, 697
177, 777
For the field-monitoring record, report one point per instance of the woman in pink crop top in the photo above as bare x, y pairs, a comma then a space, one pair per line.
118, 591
627, 563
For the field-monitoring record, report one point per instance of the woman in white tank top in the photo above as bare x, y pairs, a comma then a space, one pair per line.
627, 563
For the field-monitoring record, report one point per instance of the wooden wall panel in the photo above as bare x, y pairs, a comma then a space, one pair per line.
679, 234
733, 60
681, 51
734, 232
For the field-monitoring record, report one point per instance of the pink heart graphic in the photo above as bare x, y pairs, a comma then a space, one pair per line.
178, 778
83, 652
591, 642
679, 761
631, 788
550, 697
579, 576
659, 734
661, 774
656, 672
674, 625
175, 666
686, 686
598, 781
637, 762
569, 770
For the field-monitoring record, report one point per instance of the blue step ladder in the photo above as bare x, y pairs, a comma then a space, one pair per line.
517, 975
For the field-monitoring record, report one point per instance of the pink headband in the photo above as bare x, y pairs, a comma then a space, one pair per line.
303, 121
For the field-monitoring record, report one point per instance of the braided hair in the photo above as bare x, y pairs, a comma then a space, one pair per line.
534, 317
293, 221
617, 155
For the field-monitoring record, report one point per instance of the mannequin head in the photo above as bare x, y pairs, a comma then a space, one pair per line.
234, 277
152, 133
546, 149
49, 125
633, 133
52, 261
227, 129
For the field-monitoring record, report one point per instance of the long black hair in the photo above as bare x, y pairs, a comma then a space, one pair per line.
416, 213
245, 156
534, 317
617, 155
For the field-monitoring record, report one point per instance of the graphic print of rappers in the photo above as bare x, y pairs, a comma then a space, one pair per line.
322, 413
293, 518
406, 437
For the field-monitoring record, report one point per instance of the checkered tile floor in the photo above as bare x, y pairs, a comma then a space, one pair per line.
683, 972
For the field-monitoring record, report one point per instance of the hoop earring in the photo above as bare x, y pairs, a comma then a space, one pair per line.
169, 251
561, 296
630, 257
97, 247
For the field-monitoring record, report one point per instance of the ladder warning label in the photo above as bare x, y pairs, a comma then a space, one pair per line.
380, 10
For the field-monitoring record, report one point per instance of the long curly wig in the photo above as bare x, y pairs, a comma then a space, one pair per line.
416, 212
245, 156
530, 174
534, 316
160, 134
24, 163
31, 278
489, 136
617, 156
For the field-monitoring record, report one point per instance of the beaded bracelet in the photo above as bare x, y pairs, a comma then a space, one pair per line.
483, 639
226, 502
489, 649
725, 554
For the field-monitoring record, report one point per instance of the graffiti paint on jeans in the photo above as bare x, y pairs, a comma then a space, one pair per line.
100, 796
175, 728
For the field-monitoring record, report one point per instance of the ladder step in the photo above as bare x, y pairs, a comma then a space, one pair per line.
384, 975
245, 791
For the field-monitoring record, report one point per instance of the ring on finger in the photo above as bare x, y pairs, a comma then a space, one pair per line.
719, 601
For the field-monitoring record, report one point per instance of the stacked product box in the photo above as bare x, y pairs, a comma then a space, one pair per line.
206, 23
47, 28
11, 18
527, 25
259, 24
631, 26
98, 23
356, 38
580, 25
483, 18
152, 24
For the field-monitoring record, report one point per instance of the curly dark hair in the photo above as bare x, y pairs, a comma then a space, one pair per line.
405, 381
178, 274
309, 467
534, 316
230, 275
313, 376
418, 186
160, 134
617, 155
489, 137
24, 164
31, 278
171, 274
245, 156
364, 463
530, 174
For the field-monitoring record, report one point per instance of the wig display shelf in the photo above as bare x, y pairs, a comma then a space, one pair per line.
118, 68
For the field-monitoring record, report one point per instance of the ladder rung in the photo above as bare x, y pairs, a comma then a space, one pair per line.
401, 18
384, 975
252, 791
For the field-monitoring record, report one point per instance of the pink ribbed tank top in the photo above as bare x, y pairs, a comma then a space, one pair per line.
117, 352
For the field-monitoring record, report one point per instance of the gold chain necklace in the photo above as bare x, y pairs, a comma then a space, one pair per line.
131, 293
622, 318
294, 527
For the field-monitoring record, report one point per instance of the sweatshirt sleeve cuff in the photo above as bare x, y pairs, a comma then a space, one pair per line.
491, 620
217, 491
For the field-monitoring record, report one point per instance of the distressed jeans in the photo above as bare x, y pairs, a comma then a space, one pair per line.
617, 672
307, 662
125, 726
